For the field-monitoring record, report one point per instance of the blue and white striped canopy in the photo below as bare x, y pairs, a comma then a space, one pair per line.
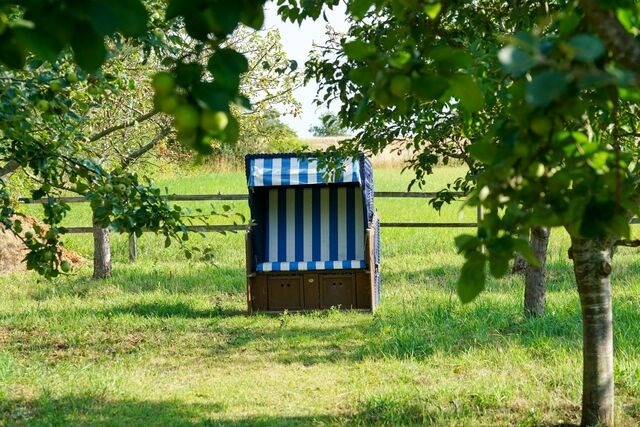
286, 171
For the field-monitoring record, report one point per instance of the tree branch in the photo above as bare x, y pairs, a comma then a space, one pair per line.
623, 46
8, 169
120, 126
136, 154
629, 243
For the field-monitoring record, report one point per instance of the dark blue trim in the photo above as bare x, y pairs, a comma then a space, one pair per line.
303, 176
268, 164
316, 240
299, 219
333, 223
285, 174
351, 222
282, 224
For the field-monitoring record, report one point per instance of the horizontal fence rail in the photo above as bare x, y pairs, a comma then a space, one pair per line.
242, 227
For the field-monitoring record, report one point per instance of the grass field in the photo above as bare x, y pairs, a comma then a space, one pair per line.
166, 341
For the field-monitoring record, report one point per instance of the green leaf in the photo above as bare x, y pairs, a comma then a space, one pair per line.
432, 10
362, 75
484, 151
498, 265
472, 278
464, 88
449, 59
177, 8
598, 161
12, 53
41, 44
568, 23
429, 87
89, 49
586, 47
359, 50
253, 17
596, 79
524, 248
619, 226
465, 242
188, 73
400, 59
128, 17
546, 87
359, 8
226, 66
232, 131
515, 60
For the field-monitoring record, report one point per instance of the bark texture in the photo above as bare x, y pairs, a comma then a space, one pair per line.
592, 268
133, 247
535, 285
623, 46
101, 252
8, 169
519, 265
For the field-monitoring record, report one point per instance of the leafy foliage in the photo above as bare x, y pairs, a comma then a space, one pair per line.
80, 131
329, 126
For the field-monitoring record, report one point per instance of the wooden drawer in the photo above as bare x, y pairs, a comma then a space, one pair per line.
337, 290
285, 292
311, 291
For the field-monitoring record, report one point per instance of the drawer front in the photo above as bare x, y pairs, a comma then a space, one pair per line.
285, 292
337, 290
311, 291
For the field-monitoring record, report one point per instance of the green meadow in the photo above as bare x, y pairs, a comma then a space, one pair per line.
166, 341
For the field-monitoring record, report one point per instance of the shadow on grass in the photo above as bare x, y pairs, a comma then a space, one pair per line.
98, 411
408, 324
416, 325
167, 310
203, 278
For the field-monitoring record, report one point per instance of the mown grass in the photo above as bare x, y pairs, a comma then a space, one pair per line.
166, 341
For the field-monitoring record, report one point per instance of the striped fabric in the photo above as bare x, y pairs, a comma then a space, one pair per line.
314, 228
310, 265
264, 172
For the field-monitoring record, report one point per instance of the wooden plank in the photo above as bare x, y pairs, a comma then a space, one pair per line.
196, 197
427, 224
177, 197
197, 228
418, 195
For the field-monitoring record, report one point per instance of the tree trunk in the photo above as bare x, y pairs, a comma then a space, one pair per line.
534, 281
133, 247
592, 268
101, 252
519, 264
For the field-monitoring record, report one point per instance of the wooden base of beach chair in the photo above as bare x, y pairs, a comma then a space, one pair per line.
310, 290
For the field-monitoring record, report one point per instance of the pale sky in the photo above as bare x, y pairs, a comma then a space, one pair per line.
297, 42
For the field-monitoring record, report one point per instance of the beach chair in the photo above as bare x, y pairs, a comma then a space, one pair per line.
315, 240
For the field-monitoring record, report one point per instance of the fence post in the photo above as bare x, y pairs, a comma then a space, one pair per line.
480, 213
133, 247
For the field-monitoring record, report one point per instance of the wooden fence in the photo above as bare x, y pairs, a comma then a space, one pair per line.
241, 227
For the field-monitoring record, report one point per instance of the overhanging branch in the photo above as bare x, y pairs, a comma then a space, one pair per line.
629, 243
8, 169
123, 125
136, 154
